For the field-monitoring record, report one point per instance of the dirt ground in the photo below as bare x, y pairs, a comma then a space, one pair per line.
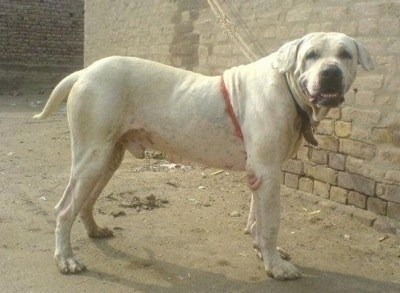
177, 228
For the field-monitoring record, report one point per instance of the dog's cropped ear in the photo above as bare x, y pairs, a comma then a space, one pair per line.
286, 56
364, 57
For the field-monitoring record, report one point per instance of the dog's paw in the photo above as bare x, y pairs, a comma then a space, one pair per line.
69, 265
103, 232
283, 253
283, 270
250, 227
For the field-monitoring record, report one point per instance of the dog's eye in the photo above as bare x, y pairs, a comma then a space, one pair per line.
312, 55
344, 54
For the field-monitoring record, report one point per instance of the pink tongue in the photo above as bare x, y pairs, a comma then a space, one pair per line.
310, 97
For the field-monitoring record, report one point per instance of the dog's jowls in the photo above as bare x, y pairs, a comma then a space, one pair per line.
125, 103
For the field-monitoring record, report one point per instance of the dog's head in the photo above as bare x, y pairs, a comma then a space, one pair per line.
322, 68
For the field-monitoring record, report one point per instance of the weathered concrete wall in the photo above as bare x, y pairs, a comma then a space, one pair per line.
358, 160
40, 41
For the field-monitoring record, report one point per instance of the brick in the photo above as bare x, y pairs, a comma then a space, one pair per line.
338, 194
326, 126
269, 32
319, 156
393, 211
342, 128
296, 31
396, 138
292, 180
376, 205
349, 27
321, 173
334, 12
361, 167
361, 116
293, 166
328, 143
306, 184
387, 101
313, 27
361, 133
298, 15
327, 26
368, 26
363, 98
336, 161
365, 8
321, 189
371, 81
391, 156
302, 154
334, 113
354, 165
357, 199
357, 149
388, 26
356, 182
382, 135
392, 120
364, 217
388, 192
393, 175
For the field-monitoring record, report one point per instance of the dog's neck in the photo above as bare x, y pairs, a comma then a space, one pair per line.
306, 114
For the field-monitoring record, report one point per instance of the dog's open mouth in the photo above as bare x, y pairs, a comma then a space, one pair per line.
327, 98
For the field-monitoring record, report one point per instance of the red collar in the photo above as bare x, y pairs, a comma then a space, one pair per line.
229, 109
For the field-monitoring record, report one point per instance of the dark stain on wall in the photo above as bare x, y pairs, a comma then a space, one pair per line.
185, 43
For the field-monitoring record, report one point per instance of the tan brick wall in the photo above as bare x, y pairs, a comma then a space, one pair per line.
40, 41
358, 159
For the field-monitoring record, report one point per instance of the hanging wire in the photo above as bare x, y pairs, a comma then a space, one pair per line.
228, 26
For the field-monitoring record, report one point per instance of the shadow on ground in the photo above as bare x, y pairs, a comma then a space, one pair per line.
206, 282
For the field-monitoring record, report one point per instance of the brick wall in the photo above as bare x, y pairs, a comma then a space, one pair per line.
358, 160
40, 41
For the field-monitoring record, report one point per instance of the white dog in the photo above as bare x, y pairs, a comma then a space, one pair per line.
251, 118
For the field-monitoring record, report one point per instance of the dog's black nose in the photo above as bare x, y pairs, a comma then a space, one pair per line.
331, 71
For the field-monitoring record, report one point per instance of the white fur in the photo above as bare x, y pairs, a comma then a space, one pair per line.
125, 103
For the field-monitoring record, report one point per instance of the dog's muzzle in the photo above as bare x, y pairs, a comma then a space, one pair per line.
330, 89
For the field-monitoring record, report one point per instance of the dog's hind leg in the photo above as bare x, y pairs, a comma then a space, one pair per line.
86, 213
90, 163
251, 220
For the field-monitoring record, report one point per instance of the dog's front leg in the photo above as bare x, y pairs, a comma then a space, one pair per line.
265, 184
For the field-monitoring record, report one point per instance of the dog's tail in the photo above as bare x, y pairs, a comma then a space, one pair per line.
58, 95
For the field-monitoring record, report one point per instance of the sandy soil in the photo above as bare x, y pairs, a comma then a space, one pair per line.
177, 228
